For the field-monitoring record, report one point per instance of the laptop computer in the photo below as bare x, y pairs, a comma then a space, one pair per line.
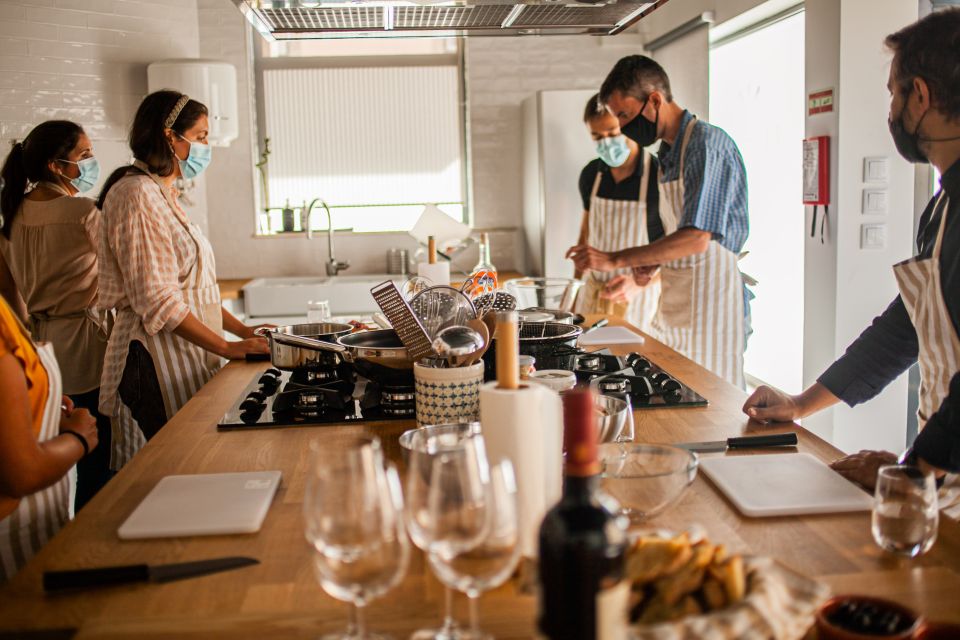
203, 505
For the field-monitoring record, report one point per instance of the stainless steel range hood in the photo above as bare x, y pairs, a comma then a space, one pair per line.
303, 20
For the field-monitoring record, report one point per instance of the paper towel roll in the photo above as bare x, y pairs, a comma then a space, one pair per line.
438, 273
526, 426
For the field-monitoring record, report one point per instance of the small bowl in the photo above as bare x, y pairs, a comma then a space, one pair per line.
615, 419
646, 478
827, 630
447, 434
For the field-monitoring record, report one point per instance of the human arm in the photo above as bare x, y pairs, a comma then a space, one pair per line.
679, 244
767, 404
195, 331
27, 465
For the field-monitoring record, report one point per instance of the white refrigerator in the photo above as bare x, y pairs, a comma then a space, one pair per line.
556, 146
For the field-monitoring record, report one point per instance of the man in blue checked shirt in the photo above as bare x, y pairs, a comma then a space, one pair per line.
704, 305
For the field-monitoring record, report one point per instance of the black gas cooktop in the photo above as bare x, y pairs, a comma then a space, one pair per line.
646, 384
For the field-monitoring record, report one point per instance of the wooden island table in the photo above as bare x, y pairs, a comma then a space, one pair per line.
280, 597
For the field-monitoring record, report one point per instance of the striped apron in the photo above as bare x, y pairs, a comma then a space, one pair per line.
181, 366
701, 302
39, 516
922, 293
613, 225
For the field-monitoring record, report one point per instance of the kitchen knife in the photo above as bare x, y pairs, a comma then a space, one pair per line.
109, 576
596, 325
743, 442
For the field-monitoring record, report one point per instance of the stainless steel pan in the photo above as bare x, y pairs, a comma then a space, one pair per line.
381, 347
289, 357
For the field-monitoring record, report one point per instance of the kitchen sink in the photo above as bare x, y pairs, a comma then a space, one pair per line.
348, 295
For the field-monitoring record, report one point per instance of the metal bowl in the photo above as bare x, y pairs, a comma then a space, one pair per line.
646, 478
444, 435
615, 422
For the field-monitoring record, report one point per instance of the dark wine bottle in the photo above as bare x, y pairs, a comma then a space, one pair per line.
583, 589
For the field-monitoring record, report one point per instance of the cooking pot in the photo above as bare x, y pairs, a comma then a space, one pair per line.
382, 347
553, 344
289, 357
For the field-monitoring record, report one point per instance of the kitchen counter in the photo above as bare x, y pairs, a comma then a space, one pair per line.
281, 597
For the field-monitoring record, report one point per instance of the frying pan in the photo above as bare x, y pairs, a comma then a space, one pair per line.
382, 347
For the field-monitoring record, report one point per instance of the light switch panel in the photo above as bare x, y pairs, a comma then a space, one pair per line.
874, 202
873, 236
876, 169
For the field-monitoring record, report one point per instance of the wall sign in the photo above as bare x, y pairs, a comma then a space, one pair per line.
820, 102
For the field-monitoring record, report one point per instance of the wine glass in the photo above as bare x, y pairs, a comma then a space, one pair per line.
463, 472
905, 512
490, 562
354, 520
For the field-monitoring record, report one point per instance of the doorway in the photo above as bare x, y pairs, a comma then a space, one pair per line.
757, 96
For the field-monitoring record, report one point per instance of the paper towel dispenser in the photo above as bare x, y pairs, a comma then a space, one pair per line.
211, 82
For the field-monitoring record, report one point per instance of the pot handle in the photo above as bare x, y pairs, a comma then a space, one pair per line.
263, 332
307, 343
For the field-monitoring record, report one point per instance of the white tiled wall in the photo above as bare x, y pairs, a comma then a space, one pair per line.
86, 61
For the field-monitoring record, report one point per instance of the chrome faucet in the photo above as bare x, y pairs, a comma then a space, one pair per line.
333, 267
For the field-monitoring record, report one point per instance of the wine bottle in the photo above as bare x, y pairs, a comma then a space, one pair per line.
583, 589
484, 275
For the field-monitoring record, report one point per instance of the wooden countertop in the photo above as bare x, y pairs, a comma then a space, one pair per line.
280, 598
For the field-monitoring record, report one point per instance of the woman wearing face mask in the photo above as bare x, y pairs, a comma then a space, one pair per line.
157, 270
922, 324
620, 210
48, 267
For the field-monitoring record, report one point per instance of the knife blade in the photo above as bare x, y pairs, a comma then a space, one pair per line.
742, 442
127, 574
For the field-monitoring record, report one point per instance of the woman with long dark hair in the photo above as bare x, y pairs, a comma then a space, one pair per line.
157, 270
48, 267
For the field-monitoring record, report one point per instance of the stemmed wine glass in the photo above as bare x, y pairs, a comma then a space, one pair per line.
489, 562
462, 470
353, 512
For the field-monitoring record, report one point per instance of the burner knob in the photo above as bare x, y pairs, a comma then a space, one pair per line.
267, 379
272, 372
670, 386
251, 404
638, 363
251, 417
258, 396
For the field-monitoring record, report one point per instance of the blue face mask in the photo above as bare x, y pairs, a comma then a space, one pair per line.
613, 151
89, 174
198, 159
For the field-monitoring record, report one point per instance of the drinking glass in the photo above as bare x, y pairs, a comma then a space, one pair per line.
353, 512
489, 563
905, 513
318, 311
462, 472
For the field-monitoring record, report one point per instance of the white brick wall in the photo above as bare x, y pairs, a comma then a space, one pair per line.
86, 61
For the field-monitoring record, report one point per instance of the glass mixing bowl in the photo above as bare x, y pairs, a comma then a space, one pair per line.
646, 478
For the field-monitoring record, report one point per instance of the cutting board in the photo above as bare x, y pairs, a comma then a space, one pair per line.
783, 484
610, 335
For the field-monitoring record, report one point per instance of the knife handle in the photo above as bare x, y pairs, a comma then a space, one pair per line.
102, 577
773, 440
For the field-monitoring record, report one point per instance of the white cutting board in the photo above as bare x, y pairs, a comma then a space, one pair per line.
610, 335
783, 484
203, 505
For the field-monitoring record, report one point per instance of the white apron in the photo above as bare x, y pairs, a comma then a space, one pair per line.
39, 516
181, 366
701, 300
939, 346
613, 225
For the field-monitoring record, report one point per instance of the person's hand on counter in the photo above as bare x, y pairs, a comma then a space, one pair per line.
862, 468
586, 258
767, 404
238, 349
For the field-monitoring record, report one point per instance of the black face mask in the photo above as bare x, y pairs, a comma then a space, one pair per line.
908, 144
641, 130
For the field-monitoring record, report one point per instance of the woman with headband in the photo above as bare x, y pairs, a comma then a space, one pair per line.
157, 269
48, 268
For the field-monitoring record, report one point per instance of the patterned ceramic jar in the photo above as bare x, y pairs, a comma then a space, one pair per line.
448, 395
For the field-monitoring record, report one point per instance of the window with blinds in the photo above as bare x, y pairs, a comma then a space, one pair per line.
376, 143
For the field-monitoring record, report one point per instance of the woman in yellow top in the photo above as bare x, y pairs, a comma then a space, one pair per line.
48, 266
41, 437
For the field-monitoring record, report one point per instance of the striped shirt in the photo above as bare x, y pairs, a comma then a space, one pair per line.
714, 183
